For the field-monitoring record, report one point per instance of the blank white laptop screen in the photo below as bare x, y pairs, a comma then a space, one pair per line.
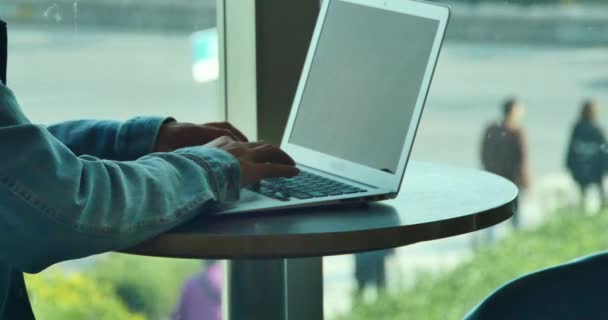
363, 84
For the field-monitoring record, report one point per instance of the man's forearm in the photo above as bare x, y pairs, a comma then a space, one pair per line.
112, 140
79, 206
55, 206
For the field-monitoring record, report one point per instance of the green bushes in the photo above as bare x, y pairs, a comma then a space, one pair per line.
563, 237
115, 287
150, 286
57, 295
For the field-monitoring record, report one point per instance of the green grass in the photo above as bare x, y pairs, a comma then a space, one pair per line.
563, 237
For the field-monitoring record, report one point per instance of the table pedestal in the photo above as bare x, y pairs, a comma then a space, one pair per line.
283, 289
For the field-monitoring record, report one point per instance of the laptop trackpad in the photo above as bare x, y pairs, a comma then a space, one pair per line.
248, 196
248, 199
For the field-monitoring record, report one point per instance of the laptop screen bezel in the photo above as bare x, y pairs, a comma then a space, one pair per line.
346, 168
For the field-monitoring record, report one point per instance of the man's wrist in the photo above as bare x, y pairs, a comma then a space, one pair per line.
160, 144
223, 168
138, 136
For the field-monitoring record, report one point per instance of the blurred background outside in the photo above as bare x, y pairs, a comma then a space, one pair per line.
115, 59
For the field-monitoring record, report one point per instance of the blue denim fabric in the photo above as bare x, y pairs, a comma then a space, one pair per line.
64, 195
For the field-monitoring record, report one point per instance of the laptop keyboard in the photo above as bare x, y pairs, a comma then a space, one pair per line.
303, 186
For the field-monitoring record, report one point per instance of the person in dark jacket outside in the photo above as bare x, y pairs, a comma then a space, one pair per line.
504, 149
370, 270
586, 154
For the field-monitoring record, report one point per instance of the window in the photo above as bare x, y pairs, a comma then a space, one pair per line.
550, 56
546, 59
112, 59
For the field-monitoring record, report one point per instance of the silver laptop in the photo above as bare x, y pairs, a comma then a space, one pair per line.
358, 104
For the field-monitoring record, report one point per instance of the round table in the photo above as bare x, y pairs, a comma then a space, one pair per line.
275, 270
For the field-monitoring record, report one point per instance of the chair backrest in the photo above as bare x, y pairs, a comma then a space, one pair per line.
3, 51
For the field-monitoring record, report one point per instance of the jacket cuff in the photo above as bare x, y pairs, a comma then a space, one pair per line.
224, 170
137, 137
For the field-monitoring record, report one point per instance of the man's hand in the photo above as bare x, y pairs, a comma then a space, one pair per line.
174, 135
258, 160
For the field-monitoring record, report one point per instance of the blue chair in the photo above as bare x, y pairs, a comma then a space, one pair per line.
575, 290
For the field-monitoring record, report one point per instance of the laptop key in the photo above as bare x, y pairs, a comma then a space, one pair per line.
304, 186
281, 196
276, 196
301, 195
318, 194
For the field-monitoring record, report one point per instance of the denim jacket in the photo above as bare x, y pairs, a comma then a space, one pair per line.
85, 187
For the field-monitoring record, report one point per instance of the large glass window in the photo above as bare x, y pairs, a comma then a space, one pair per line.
528, 66
111, 59
533, 67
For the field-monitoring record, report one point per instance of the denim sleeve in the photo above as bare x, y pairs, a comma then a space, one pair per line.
56, 206
112, 140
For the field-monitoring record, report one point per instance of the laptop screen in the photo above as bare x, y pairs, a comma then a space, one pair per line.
363, 84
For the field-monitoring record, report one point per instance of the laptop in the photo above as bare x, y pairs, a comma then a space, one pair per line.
358, 104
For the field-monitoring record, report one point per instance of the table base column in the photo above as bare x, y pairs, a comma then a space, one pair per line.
284, 289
